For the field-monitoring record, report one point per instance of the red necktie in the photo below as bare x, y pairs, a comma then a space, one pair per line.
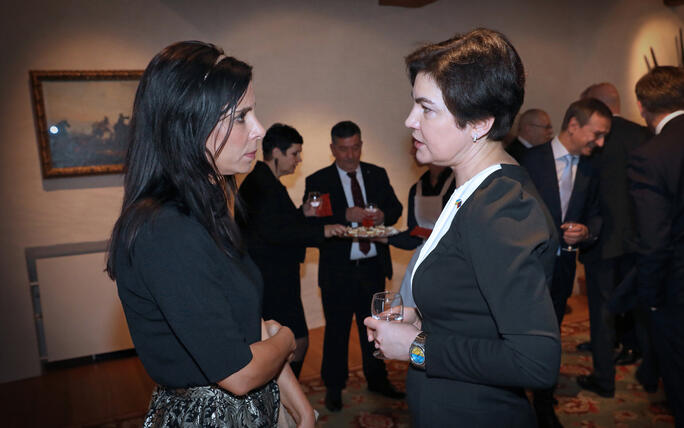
364, 245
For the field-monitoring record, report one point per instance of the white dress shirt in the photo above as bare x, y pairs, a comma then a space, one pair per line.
666, 119
524, 142
559, 151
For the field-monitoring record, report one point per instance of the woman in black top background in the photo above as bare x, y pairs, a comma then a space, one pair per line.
426, 199
277, 235
190, 293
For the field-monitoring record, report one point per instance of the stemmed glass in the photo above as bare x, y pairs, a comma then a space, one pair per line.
314, 199
569, 248
387, 306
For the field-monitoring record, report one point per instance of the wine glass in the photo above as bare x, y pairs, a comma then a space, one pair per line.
569, 248
314, 199
387, 306
371, 208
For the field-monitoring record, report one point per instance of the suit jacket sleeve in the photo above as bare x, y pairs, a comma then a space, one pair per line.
404, 240
512, 249
390, 205
592, 212
652, 209
411, 221
274, 218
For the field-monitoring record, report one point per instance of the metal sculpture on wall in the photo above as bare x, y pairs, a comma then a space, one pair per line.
679, 47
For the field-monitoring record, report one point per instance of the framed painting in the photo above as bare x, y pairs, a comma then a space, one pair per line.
82, 120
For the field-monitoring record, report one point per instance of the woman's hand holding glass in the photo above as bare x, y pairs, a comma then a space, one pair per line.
313, 201
393, 339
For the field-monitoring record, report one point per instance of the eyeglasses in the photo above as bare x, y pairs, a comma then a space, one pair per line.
541, 126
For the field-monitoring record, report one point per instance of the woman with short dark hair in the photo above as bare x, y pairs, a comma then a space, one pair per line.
484, 328
277, 234
191, 295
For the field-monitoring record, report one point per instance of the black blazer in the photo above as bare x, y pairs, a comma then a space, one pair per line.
275, 230
334, 253
583, 206
656, 174
516, 148
617, 232
483, 292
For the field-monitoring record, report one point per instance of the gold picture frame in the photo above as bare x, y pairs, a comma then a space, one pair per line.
82, 119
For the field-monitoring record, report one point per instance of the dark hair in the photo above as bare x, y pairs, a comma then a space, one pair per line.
480, 75
583, 109
279, 136
661, 90
184, 91
345, 129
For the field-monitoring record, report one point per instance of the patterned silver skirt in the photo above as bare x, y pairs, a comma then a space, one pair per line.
212, 406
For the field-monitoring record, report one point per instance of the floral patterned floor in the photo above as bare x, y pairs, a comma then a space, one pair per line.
631, 406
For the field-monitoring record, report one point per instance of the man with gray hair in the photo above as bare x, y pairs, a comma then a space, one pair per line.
534, 128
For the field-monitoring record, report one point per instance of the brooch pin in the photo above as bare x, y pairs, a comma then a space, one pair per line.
458, 203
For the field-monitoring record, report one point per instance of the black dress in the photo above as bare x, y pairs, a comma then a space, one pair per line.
193, 312
277, 236
483, 294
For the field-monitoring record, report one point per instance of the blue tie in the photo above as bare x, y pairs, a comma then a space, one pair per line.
565, 183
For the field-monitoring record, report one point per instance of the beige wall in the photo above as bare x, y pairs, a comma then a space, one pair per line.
316, 62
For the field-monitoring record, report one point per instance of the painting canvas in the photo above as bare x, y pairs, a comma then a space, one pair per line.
83, 120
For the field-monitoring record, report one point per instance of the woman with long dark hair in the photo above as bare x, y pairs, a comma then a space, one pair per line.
191, 294
485, 328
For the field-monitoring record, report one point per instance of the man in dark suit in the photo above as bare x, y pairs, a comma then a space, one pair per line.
566, 181
608, 262
350, 272
534, 128
656, 175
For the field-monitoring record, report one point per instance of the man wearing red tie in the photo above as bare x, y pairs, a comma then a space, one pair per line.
351, 271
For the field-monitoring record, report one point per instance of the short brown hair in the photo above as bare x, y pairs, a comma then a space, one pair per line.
661, 90
583, 109
480, 75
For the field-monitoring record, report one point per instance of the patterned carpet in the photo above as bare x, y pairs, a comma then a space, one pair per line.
631, 406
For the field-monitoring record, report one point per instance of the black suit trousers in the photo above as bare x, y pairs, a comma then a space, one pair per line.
603, 276
667, 329
347, 291
563, 280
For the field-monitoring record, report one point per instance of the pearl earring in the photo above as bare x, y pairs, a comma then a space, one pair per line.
475, 138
